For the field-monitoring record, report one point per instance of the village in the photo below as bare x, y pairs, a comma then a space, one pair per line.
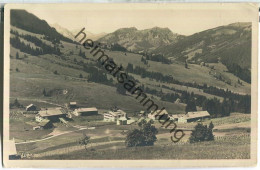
50, 117
45, 117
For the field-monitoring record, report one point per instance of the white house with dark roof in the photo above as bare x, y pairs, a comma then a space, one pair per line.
114, 115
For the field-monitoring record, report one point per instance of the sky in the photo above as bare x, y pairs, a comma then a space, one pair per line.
182, 19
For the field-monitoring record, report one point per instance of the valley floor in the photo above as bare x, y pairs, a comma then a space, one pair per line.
107, 140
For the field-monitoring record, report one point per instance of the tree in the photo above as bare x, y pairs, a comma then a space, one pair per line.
17, 55
84, 141
145, 136
209, 135
191, 106
17, 70
202, 133
186, 64
55, 72
80, 75
44, 92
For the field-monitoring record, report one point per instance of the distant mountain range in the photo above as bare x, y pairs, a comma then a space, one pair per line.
229, 44
141, 40
71, 34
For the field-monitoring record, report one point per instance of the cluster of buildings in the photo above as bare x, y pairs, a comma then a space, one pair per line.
45, 117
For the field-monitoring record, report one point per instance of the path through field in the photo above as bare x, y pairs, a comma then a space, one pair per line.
74, 148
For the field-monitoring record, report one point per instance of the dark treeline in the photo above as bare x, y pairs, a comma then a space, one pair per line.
233, 103
242, 73
169, 79
39, 26
43, 48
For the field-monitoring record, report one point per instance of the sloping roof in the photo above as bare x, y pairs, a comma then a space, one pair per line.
30, 105
192, 115
73, 103
43, 122
52, 112
12, 147
91, 109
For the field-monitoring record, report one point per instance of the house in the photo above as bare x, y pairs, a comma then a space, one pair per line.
158, 114
12, 152
114, 115
52, 114
121, 121
85, 111
73, 105
31, 107
194, 116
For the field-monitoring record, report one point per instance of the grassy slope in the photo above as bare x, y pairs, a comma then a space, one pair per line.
225, 149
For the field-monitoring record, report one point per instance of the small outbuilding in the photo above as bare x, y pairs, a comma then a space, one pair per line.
31, 107
121, 121
73, 105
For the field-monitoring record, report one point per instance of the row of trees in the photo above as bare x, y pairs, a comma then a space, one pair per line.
27, 48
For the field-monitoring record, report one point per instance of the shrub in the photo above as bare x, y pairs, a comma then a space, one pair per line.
145, 136
202, 133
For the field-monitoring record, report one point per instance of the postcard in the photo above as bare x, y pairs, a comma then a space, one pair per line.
130, 85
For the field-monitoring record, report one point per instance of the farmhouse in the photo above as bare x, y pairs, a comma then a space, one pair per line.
114, 115
194, 116
31, 107
52, 114
162, 115
85, 111
73, 105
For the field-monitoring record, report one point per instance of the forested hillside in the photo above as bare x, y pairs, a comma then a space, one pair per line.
209, 70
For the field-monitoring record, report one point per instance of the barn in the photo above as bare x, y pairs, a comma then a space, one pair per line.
52, 114
85, 111
194, 116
